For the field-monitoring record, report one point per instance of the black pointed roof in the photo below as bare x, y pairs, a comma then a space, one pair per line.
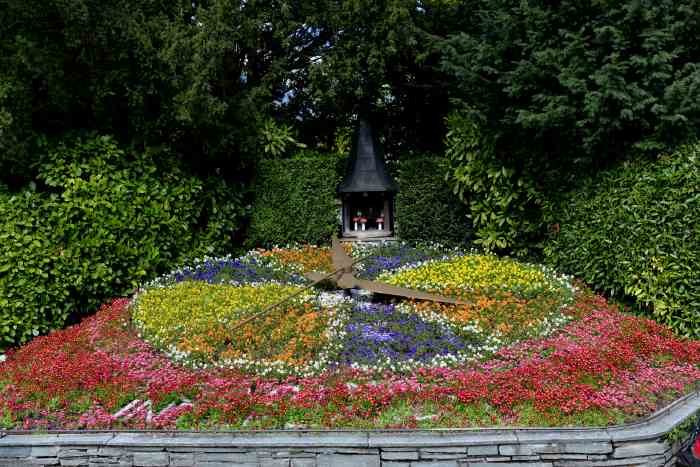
366, 168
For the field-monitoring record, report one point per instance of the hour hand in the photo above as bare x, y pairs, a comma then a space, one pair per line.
341, 260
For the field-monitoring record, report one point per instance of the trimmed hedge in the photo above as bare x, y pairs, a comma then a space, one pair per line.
295, 200
634, 231
96, 224
426, 208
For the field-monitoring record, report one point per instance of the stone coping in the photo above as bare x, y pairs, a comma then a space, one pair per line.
654, 426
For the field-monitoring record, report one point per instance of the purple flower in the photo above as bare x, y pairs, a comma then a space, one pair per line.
378, 331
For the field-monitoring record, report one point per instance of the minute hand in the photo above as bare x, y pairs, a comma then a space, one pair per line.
404, 292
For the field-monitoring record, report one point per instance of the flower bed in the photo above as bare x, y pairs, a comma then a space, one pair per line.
473, 275
201, 325
205, 315
510, 301
387, 365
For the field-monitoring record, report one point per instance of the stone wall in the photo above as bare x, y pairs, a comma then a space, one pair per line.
639, 444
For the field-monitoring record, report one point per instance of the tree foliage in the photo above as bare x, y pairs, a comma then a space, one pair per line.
559, 89
204, 77
569, 84
342, 57
578, 82
192, 76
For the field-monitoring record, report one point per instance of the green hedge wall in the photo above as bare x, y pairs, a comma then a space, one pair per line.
295, 200
95, 224
426, 208
634, 231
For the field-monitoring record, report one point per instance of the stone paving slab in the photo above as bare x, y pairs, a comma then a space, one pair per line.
87, 439
535, 435
419, 438
245, 440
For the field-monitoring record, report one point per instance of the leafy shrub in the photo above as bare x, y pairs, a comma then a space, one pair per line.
99, 223
504, 204
295, 200
426, 208
634, 231
276, 139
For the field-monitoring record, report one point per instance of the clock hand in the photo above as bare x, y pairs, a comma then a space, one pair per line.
405, 292
347, 280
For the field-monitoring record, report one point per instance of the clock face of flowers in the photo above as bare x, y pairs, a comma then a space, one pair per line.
255, 314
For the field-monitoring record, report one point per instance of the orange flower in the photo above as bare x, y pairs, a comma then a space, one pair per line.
311, 258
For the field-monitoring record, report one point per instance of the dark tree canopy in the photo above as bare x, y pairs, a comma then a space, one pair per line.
579, 82
381, 53
203, 77
190, 76
559, 85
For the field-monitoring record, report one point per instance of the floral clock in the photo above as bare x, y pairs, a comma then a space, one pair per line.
219, 312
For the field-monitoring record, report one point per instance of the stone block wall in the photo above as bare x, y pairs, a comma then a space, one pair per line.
640, 444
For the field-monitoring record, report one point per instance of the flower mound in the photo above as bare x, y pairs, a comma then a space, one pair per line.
603, 367
198, 349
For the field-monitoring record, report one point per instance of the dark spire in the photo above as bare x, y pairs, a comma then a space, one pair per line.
366, 168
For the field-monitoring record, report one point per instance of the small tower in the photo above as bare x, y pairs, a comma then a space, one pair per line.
367, 191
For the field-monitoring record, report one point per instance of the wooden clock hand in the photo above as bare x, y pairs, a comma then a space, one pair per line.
345, 279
